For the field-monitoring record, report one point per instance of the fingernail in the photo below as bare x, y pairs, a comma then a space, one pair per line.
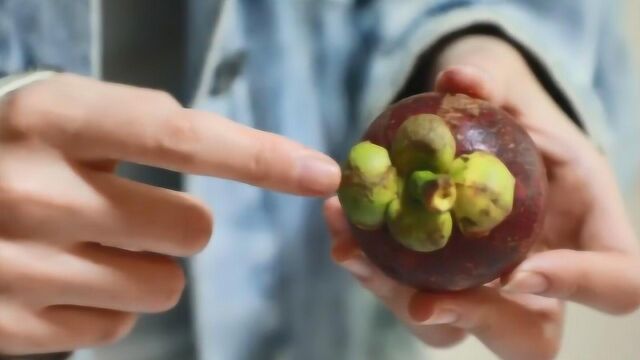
318, 173
423, 310
454, 72
357, 267
526, 282
441, 316
474, 70
438, 317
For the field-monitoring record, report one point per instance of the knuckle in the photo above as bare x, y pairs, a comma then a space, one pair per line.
547, 330
27, 209
36, 110
548, 349
634, 304
566, 288
14, 277
16, 340
8, 341
176, 137
8, 281
16, 198
198, 229
11, 347
260, 167
171, 284
627, 306
443, 338
21, 283
164, 99
119, 327
18, 111
8, 197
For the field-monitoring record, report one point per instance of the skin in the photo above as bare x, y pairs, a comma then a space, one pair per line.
521, 316
82, 251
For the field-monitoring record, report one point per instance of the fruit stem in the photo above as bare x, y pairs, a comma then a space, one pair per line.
436, 191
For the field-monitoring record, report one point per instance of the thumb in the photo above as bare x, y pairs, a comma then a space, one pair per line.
491, 69
470, 80
606, 281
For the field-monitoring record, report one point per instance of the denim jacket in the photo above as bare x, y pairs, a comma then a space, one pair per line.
318, 71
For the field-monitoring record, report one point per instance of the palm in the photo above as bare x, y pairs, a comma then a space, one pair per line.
564, 204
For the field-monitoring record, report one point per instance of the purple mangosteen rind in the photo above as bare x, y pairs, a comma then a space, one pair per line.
465, 259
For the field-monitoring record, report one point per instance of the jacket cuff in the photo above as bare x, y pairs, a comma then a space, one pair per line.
424, 71
14, 82
391, 70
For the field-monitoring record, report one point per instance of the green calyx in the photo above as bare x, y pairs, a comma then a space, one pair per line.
418, 228
436, 192
419, 188
423, 142
369, 183
485, 190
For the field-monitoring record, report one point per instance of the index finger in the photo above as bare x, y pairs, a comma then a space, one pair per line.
90, 120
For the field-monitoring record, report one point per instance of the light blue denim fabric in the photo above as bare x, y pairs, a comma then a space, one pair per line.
318, 71
55, 34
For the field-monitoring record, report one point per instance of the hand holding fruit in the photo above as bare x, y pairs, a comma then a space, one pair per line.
586, 250
455, 216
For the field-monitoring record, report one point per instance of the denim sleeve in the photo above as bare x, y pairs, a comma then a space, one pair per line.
578, 48
61, 35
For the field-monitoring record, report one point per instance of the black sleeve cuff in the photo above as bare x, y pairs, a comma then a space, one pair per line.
52, 356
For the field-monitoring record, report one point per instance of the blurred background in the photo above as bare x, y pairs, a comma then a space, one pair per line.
588, 335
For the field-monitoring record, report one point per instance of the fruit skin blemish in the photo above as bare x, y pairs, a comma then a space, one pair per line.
444, 192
